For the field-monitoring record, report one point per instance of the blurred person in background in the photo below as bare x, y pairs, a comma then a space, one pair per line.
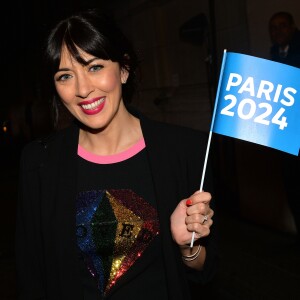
285, 48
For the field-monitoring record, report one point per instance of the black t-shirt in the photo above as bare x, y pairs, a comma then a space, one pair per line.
117, 227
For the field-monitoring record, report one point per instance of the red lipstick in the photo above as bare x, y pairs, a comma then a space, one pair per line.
92, 106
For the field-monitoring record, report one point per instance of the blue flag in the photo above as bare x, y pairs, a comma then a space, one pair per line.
258, 101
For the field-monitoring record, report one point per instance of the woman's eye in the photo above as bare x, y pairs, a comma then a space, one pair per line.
96, 68
63, 77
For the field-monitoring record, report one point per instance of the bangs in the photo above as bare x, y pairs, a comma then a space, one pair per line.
77, 36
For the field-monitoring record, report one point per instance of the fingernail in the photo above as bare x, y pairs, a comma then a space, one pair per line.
188, 202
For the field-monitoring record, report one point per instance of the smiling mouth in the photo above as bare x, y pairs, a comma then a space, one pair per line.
94, 105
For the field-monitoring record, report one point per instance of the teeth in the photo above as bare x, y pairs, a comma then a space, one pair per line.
93, 105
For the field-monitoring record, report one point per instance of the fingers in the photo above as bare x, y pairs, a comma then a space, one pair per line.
200, 218
201, 230
199, 214
198, 203
198, 197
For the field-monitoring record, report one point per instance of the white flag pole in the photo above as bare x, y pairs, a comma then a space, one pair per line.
210, 133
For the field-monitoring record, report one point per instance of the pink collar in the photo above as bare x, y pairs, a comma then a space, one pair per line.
111, 159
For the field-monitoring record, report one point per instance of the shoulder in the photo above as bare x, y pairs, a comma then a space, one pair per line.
164, 130
176, 144
173, 134
297, 35
34, 153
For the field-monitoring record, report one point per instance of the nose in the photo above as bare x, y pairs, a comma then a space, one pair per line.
84, 86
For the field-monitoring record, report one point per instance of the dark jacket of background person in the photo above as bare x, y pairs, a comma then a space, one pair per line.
175, 157
285, 35
293, 55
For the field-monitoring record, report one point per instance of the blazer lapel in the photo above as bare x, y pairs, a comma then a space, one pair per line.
168, 190
67, 184
59, 177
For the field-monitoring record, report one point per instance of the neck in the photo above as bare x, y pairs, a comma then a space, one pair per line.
118, 136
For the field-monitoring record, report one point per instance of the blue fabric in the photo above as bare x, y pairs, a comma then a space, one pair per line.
258, 100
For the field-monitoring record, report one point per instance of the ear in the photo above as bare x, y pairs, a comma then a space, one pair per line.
124, 76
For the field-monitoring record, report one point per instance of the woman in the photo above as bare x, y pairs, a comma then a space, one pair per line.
108, 205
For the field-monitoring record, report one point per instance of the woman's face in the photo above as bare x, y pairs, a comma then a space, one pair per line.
91, 93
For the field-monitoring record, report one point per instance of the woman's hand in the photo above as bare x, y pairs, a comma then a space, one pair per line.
192, 215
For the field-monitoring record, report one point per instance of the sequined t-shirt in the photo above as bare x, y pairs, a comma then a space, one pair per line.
117, 226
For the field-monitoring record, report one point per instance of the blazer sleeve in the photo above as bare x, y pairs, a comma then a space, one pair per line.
29, 261
181, 161
195, 166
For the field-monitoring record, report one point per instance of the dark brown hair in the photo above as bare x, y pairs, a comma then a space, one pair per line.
96, 34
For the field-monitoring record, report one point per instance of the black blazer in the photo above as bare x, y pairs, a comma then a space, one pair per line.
46, 254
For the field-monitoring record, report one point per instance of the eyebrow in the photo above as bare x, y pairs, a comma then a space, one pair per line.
62, 70
91, 60
87, 62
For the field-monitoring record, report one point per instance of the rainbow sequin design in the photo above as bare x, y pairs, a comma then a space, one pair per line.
113, 228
